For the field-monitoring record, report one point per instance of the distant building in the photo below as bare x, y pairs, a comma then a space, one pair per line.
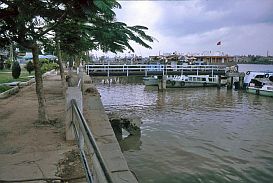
24, 58
214, 58
199, 59
166, 58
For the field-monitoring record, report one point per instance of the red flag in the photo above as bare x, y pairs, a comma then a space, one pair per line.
219, 43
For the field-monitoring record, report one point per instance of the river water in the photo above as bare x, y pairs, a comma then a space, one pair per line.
196, 135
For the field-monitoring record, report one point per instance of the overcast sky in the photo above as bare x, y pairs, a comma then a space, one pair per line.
243, 26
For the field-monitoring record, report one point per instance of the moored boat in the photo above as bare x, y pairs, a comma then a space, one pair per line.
151, 81
256, 75
185, 81
261, 86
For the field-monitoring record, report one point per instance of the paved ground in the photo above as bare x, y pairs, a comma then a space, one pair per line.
31, 150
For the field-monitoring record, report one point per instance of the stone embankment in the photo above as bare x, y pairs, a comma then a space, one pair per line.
100, 126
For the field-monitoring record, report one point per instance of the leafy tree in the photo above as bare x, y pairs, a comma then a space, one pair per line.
27, 23
35, 23
29, 67
98, 34
16, 70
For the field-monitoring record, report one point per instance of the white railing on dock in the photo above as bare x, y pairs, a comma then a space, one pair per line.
149, 67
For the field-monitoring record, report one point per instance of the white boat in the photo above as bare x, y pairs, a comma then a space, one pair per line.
256, 75
185, 81
261, 86
151, 81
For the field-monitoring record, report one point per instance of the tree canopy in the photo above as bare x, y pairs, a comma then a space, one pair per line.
79, 25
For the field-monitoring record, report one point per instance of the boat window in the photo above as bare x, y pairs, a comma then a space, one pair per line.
203, 79
256, 82
259, 76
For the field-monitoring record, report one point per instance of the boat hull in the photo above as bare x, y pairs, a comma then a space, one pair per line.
185, 84
186, 81
150, 81
259, 91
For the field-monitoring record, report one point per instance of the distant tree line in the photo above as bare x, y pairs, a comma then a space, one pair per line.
256, 59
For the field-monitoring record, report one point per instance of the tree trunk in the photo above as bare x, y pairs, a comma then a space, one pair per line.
60, 60
59, 54
42, 114
88, 57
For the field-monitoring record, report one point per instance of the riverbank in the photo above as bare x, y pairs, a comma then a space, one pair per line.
30, 150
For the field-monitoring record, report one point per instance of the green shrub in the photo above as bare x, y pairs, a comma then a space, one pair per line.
43, 61
4, 88
55, 66
16, 70
8, 64
50, 66
29, 67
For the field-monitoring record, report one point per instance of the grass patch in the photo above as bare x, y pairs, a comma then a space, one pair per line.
5, 70
4, 88
6, 77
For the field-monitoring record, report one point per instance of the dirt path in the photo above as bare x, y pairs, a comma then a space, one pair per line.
28, 149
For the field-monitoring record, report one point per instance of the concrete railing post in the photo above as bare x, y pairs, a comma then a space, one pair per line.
241, 81
162, 83
81, 76
219, 81
71, 93
230, 83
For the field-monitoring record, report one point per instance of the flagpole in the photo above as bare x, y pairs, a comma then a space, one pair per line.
219, 43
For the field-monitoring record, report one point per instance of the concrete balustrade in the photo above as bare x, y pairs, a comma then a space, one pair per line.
71, 93
90, 104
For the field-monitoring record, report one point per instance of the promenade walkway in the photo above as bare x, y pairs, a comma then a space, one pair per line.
31, 150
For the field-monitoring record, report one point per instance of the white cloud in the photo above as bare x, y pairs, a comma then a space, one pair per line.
139, 12
243, 26
251, 39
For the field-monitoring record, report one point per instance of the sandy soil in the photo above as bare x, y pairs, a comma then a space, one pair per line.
29, 149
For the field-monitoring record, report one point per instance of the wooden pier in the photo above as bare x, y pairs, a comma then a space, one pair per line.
163, 70
148, 70
231, 75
